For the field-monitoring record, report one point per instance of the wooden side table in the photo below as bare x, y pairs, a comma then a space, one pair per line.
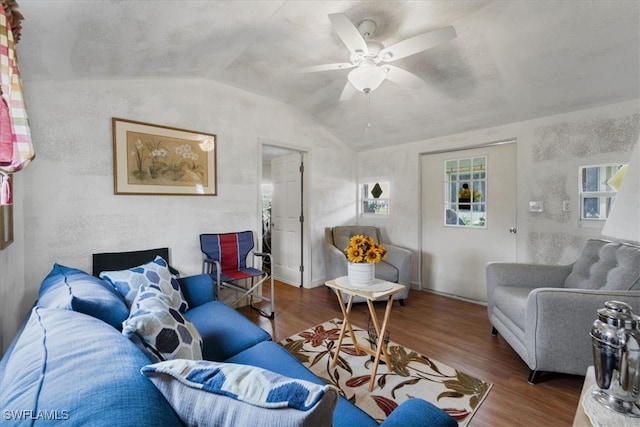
386, 290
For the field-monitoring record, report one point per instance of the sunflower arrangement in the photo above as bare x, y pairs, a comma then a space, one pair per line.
363, 249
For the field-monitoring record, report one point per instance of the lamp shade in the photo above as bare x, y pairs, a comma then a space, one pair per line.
624, 219
367, 77
207, 144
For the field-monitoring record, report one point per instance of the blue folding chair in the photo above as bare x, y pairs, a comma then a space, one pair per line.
225, 257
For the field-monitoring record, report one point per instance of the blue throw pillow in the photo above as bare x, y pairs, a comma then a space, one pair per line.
159, 329
73, 289
155, 273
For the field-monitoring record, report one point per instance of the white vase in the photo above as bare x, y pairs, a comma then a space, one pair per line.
361, 274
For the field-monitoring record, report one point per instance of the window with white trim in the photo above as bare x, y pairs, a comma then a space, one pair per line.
374, 198
596, 194
465, 181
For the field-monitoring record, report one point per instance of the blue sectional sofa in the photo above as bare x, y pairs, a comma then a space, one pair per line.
71, 362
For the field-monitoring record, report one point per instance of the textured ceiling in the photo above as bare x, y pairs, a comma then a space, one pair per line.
511, 61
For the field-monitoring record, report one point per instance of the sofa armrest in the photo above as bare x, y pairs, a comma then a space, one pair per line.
526, 275
400, 258
558, 322
416, 412
197, 289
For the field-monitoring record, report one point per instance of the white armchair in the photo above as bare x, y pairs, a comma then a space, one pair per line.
395, 268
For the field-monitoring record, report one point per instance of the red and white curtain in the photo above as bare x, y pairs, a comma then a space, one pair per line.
16, 149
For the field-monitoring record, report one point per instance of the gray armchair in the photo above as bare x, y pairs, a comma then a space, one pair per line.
545, 312
395, 268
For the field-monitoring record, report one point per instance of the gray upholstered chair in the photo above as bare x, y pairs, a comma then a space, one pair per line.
395, 268
545, 312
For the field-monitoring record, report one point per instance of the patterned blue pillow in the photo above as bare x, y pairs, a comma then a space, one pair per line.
229, 394
155, 273
159, 329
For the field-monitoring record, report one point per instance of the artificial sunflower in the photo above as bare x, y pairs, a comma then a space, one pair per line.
364, 249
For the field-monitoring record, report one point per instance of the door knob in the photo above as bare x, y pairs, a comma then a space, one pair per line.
513, 230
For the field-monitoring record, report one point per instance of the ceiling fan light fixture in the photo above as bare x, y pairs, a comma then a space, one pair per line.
367, 77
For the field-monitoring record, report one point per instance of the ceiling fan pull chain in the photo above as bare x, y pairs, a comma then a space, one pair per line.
368, 112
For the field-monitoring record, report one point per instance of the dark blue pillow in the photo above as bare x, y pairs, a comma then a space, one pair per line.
80, 370
73, 289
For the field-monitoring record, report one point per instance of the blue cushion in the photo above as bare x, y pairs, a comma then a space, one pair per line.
82, 369
272, 356
224, 331
73, 289
198, 289
413, 412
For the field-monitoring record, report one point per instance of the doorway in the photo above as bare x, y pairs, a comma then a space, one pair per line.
468, 215
284, 229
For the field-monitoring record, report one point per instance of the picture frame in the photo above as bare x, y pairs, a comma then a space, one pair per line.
162, 160
6, 223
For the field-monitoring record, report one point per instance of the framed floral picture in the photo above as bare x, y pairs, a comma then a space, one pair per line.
155, 159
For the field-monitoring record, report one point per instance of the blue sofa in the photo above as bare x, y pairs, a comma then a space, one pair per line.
70, 361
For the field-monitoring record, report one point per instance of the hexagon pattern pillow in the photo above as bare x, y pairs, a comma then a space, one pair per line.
159, 329
156, 272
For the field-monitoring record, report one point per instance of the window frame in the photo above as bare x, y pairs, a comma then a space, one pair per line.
478, 184
600, 194
363, 191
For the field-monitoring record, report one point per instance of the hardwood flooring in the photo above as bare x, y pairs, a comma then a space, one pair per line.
452, 331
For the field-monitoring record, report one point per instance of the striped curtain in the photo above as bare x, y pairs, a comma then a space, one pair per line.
16, 149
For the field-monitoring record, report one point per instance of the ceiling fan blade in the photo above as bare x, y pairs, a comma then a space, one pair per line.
347, 92
403, 77
348, 33
416, 44
326, 67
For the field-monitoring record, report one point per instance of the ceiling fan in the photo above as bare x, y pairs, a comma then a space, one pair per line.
370, 58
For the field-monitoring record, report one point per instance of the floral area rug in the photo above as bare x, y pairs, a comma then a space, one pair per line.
413, 374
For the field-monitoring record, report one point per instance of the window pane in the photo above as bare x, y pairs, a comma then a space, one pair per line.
375, 198
465, 192
596, 194
596, 207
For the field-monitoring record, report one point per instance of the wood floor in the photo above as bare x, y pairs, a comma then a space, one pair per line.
455, 332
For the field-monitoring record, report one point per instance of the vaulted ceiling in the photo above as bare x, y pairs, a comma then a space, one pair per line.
511, 60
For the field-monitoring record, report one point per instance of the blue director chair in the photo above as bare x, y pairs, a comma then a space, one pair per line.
225, 257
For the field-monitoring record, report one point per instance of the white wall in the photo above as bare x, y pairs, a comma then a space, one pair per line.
70, 210
66, 210
13, 301
550, 150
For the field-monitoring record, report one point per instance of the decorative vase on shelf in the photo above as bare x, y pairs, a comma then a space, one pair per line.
361, 274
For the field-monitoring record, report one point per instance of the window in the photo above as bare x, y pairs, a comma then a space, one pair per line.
375, 198
465, 183
596, 195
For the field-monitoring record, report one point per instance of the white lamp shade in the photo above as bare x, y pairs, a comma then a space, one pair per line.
367, 78
207, 144
624, 219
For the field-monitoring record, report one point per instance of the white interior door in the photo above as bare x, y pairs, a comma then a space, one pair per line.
454, 255
286, 219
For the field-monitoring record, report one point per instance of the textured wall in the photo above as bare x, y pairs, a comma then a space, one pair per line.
550, 151
71, 212
13, 301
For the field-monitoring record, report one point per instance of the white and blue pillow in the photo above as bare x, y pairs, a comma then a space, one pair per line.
228, 394
159, 329
152, 274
